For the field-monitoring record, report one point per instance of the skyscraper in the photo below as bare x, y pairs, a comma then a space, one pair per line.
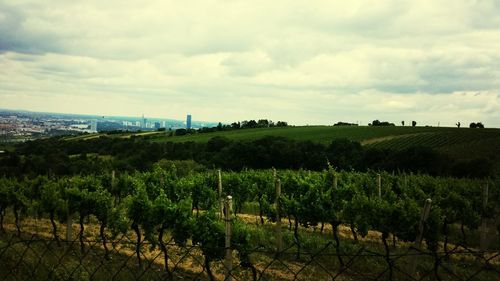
144, 121
188, 122
93, 126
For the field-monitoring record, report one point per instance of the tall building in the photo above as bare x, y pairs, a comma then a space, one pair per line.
93, 126
157, 125
188, 122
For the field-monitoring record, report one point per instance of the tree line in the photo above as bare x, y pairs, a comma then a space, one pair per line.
56, 156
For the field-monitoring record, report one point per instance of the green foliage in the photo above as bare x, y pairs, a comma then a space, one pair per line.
160, 203
208, 232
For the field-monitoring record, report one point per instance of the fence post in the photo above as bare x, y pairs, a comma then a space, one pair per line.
228, 261
254, 208
219, 188
274, 175
379, 184
483, 242
69, 227
279, 238
418, 241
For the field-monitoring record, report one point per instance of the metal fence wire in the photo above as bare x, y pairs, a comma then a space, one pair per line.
42, 258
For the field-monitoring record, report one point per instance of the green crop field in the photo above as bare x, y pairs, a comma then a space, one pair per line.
322, 134
381, 137
459, 143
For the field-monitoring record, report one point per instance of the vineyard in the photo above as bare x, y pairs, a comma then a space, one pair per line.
321, 134
438, 139
277, 225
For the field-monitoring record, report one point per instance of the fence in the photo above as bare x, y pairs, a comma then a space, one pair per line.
41, 258
34, 255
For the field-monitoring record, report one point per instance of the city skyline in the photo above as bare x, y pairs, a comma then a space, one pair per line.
306, 63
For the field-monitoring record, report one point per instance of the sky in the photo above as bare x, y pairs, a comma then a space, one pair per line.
306, 62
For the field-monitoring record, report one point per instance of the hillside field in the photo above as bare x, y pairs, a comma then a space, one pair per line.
376, 136
459, 143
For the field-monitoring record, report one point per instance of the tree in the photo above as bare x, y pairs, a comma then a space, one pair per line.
235, 125
403, 123
380, 123
344, 153
180, 132
413, 123
263, 123
458, 124
281, 124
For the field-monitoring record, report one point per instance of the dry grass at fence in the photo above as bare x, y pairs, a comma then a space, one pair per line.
187, 262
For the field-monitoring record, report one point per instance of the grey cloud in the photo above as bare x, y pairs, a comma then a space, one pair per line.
15, 37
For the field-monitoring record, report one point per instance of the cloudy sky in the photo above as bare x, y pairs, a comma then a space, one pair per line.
306, 62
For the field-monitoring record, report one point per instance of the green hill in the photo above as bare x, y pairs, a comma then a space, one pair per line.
322, 134
459, 143
381, 137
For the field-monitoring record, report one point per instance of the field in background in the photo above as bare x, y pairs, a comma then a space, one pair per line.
459, 143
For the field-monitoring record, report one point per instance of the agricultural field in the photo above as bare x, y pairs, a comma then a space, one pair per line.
458, 143
464, 143
321, 134
285, 225
382, 136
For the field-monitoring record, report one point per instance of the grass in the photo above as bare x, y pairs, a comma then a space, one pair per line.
383, 137
321, 134
124, 135
463, 143
459, 143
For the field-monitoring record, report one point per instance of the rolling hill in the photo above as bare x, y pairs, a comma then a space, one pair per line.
459, 143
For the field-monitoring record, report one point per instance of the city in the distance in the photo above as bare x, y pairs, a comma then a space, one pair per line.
22, 125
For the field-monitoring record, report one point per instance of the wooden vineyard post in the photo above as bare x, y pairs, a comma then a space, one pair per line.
219, 188
254, 209
113, 187
379, 185
418, 241
483, 241
69, 227
274, 175
228, 261
279, 238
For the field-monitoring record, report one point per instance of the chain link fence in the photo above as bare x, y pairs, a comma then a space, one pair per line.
41, 258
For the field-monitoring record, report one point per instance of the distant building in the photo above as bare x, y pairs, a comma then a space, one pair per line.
157, 125
188, 122
93, 126
144, 122
138, 123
